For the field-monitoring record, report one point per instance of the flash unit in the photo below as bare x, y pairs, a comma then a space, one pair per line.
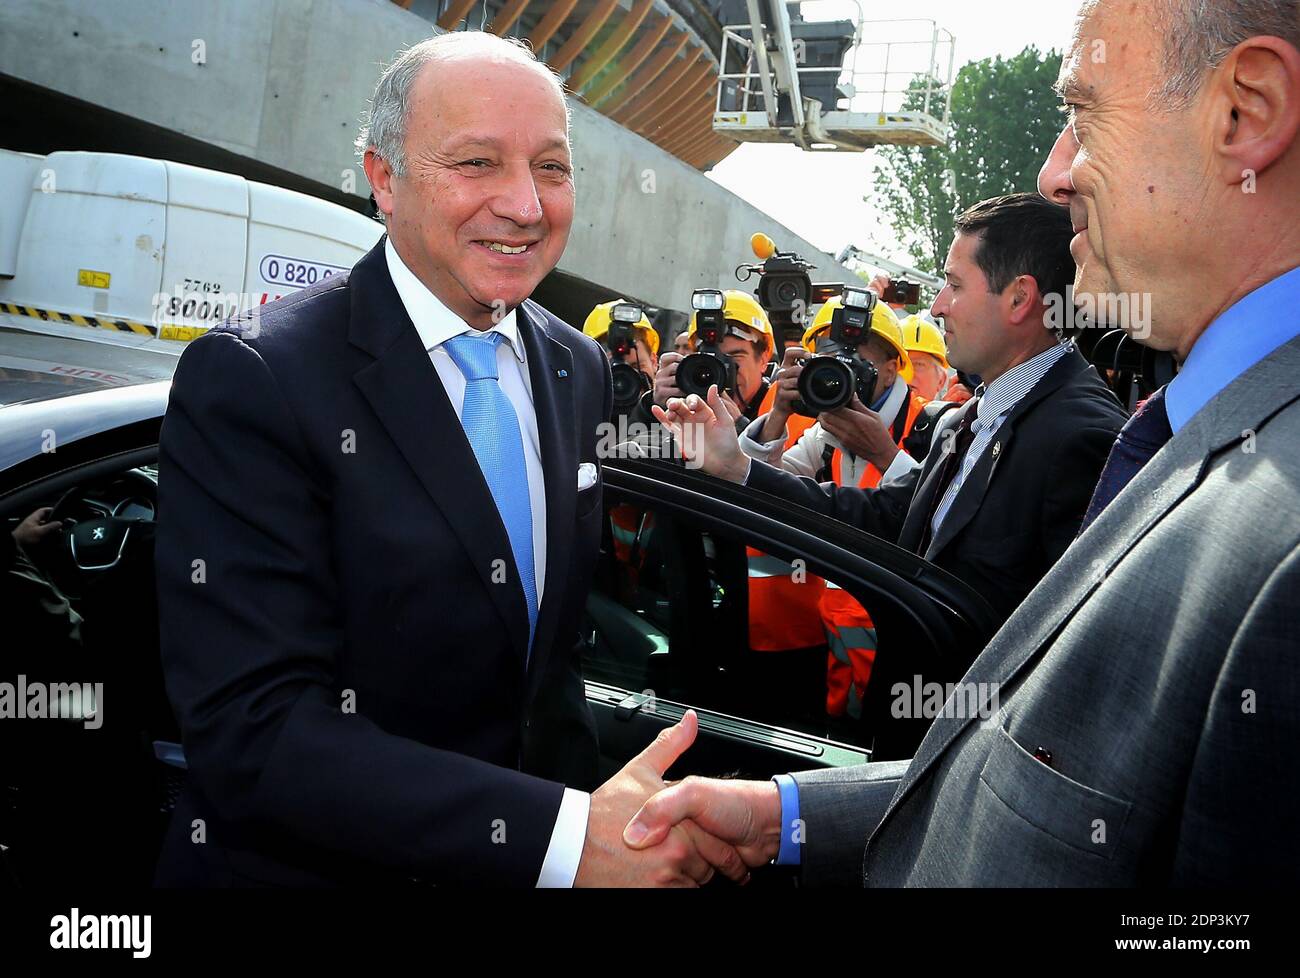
627, 312
856, 299
707, 300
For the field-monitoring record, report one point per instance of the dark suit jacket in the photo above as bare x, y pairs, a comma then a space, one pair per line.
349, 679
1015, 514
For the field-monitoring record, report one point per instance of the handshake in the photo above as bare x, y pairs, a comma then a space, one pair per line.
643, 831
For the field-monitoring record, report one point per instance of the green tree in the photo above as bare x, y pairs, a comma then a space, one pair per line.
1004, 120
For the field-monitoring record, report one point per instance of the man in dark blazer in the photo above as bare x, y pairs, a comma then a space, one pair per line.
1147, 723
1004, 487
380, 507
1015, 494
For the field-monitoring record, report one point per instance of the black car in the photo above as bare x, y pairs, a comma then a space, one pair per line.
87, 793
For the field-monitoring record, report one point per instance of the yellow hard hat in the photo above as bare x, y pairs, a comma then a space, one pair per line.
922, 336
883, 324
598, 320
744, 310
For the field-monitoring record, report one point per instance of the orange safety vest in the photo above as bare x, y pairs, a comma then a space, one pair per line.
630, 527
850, 632
796, 425
783, 612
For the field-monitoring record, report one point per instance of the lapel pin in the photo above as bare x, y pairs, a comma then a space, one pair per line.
997, 449
561, 373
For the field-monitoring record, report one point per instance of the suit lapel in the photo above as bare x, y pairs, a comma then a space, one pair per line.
550, 371
922, 506
1171, 475
971, 494
407, 396
1160, 486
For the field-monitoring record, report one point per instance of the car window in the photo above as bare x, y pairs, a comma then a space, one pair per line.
80, 628
698, 615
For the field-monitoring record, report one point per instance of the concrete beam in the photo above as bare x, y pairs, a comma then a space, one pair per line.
282, 84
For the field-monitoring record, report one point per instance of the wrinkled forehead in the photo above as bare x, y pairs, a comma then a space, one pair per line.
1114, 47
478, 97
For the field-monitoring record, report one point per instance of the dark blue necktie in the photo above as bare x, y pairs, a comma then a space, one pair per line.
1143, 436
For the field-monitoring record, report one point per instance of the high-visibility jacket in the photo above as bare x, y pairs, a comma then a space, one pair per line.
796, 425
902, 427
630, 527
850, 632
783, 612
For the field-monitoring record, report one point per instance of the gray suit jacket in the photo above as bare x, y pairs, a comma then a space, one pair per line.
1158, 663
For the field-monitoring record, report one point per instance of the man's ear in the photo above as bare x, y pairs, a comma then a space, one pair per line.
380, 175
1254, 103
1021, 297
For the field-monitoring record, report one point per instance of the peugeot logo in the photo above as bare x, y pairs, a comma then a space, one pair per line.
98, 534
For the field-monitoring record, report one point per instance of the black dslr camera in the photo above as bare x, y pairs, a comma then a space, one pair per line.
831, 377
903, 293
708, 365
629, 382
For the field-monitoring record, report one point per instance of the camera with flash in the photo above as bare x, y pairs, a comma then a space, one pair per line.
629, 381
708, 365
835, 373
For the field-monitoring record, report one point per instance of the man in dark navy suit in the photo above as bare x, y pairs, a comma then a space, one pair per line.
381, 507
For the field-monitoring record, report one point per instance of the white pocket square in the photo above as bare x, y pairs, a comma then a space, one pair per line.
586, 476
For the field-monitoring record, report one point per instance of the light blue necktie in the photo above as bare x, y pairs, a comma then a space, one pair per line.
492, 428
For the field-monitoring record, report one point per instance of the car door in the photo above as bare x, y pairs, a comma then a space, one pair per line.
666, 628
81, 797
656, 645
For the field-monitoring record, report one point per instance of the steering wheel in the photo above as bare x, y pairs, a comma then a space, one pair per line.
98, 544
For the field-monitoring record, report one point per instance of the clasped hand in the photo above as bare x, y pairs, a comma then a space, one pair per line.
643, 831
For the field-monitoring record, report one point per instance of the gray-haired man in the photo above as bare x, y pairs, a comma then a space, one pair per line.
395, 488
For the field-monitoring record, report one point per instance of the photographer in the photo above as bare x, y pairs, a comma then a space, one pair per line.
854, 444
624, 332
1003, 490
929, 353
748, 344
819, 453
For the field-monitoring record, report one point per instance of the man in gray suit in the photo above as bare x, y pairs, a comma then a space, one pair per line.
1147, 724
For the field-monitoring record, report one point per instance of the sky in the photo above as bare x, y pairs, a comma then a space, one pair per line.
819, 195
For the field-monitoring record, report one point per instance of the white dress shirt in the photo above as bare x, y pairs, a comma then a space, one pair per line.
436, 324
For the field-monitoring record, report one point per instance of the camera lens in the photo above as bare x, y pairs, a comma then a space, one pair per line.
698, 372
629, 383
825, 384
787, 292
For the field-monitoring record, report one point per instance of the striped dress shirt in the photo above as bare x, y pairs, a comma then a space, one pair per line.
995, 403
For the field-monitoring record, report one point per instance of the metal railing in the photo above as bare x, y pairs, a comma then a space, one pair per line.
917, 65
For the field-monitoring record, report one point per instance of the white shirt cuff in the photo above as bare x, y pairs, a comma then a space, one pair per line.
900, 466
764, 451
567, 837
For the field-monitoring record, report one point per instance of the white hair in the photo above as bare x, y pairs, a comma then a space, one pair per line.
385, 128
1199, 34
